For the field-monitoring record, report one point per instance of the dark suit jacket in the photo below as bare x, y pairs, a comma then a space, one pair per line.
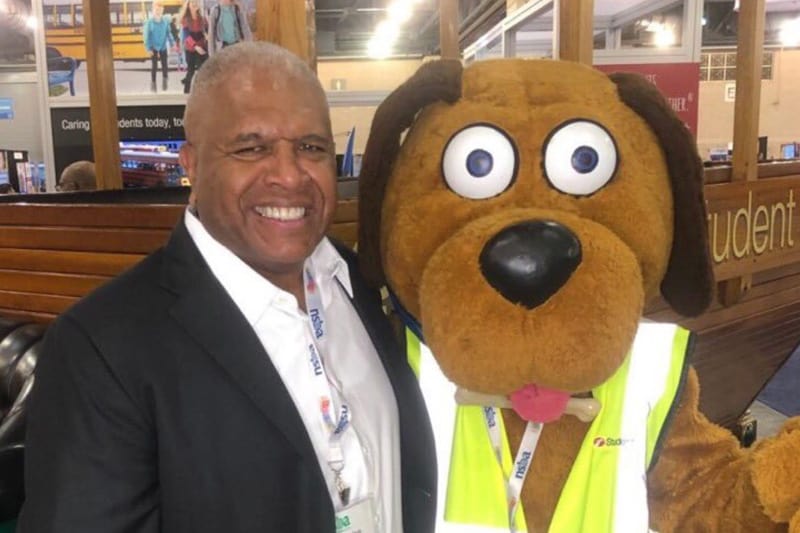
156, 408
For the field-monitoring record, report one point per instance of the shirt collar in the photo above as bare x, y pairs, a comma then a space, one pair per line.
251, 292
327, 263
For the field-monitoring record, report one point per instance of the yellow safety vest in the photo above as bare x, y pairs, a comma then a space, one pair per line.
606, 489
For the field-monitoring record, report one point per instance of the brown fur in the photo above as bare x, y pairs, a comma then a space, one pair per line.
643, 232
689, 281
437, 80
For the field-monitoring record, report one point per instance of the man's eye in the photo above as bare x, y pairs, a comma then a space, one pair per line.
249, 151
313, 147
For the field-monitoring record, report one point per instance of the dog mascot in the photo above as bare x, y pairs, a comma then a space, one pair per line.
528, 214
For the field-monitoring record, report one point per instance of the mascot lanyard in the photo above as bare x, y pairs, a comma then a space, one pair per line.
522, 462
323, 384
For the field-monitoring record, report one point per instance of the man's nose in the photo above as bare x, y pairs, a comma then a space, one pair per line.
286, 165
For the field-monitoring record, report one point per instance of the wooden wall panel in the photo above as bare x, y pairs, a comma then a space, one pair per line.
67, 262
46, 283
83, 239
27, 316
346, 211
28, 301
86, 215
346, 232
736, 360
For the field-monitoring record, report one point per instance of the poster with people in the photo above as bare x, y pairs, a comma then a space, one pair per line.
16, 36
157, 45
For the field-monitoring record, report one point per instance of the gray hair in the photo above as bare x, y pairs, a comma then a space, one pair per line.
230, 62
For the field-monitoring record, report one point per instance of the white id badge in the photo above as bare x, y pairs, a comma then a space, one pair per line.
358, 518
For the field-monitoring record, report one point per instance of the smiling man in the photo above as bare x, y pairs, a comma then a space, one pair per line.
242, 378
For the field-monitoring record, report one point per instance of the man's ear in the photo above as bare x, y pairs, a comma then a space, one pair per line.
187, 157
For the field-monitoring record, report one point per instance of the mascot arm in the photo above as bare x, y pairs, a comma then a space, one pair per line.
776, 473
705, 481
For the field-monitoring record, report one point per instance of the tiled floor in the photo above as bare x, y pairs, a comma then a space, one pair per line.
769, 420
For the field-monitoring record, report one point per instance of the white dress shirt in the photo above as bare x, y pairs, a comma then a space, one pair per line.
371, 445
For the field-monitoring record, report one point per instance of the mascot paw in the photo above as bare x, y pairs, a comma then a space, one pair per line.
775, 474
791, 425
538, 404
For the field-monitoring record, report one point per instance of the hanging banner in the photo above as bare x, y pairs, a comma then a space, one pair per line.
678, 82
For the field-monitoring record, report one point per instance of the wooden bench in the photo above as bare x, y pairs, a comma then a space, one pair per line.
51, 254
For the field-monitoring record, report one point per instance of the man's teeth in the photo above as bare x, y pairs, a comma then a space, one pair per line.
281, 213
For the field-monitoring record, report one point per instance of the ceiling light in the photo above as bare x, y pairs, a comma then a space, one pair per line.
378, 48
664, 37
387, 30
400, 11
790, 32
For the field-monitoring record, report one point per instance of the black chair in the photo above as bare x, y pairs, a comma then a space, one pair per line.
12, 347
7, 326
19, 351
17, 386
12, 485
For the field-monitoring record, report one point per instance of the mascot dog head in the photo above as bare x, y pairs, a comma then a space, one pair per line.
531, 210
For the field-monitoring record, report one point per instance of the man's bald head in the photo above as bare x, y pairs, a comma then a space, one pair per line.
234, 64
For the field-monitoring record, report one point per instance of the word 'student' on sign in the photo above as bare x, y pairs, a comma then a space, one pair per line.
752, 229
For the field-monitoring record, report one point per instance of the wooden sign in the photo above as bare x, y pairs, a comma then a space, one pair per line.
753, 225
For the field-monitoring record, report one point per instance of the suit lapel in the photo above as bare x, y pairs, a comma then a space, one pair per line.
410, 404
211, 317
418, 459
369, 311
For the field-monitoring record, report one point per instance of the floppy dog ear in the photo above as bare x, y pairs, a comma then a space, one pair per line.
434, 81
688, 285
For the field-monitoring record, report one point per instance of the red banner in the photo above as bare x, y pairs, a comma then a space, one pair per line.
678, 82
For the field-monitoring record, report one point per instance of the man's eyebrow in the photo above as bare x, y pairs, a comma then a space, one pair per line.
258, 137
248, 137
314, 137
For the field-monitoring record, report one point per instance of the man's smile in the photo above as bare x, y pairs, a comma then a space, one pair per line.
283, 214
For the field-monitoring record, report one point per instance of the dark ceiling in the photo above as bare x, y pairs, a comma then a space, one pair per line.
344, 27
722, 21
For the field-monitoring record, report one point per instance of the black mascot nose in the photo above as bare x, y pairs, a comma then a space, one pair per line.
528, 262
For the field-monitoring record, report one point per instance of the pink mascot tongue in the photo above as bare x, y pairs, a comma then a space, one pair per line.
538, 404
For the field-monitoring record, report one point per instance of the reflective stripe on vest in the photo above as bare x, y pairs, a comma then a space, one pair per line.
609, 472
413, 351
